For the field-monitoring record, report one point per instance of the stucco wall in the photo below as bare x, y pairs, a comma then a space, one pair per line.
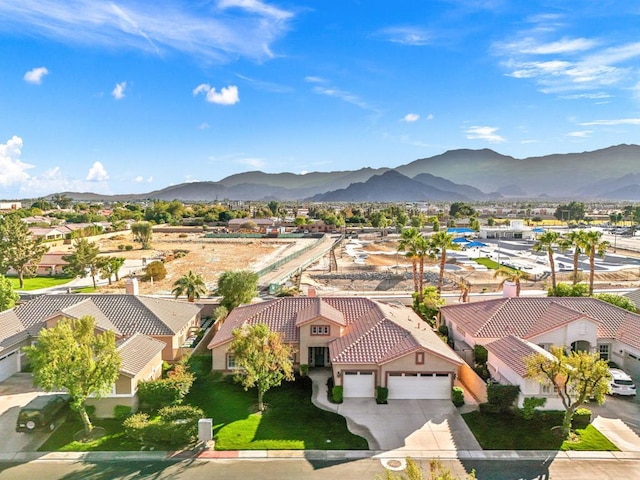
473, 383
307, 340
581, 330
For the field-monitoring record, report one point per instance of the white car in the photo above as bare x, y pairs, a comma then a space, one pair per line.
621, 383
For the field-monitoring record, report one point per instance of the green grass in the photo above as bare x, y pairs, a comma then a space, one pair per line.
291, 421
512, 432
487, 262
37, 283
84, 290
115, 440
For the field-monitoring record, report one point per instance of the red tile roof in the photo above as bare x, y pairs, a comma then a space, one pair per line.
527, 317
512, 351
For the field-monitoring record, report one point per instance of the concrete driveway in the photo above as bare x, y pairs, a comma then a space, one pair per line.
401, 424
15, 392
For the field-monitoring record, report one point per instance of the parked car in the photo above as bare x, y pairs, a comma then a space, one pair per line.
42, 412
621, 383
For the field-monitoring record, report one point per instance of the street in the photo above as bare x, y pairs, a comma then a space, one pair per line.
293, 469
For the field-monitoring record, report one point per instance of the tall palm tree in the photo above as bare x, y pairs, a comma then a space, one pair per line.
440, 242
409, 244
423, 251
594, 246
191, 284
511, 275
545, 243
576, 240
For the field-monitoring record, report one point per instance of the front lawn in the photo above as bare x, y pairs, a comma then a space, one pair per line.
36, 283
291, 421
115, 440
512, 432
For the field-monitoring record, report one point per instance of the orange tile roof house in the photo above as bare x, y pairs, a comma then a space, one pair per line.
367, 344
148, 331
511, 327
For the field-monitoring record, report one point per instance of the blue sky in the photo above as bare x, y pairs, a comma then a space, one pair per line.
130, 96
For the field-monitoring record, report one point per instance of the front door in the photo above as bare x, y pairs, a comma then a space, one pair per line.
318, 356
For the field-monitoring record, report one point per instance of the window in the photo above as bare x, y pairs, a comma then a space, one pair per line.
603, 349
419, 358
320, 329
231, 362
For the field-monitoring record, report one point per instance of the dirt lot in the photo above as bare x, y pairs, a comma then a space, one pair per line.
206, 256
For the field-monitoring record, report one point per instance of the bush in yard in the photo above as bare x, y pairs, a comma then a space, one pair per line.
443, 330
168, 391
174, 427
502, 396
581, 418
480, 355
155, 270
134, 426
304, 369
336, 394
121, 412
382, 394
529, 406
457, 395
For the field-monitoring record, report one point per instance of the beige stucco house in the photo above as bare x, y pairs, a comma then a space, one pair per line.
365, 343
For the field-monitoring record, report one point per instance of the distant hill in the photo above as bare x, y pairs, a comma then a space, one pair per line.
455, 175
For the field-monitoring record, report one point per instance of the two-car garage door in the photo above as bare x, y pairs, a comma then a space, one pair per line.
428, 386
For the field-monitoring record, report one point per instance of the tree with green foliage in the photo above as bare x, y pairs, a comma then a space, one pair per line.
8, 298
545, 243
461, 209
617, 300
428, 304
572, 211
84, 260
577, 377
142, 233
577, 240
594, 245
110, 266
73, 357
439, 243
274, 207
511, 275
237, 287
190, 284
261, 358
378, 220
19, 249
156, 270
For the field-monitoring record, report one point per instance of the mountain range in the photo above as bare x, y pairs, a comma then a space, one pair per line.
611, 173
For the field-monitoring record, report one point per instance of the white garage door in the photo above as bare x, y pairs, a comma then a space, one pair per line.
8, 365
631, 364
429, 386
358, 384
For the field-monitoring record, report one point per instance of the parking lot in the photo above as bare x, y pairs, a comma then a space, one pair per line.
15, 392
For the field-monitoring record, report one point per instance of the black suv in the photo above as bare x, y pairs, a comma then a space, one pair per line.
42, 412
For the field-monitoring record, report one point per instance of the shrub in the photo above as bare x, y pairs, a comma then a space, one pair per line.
330, 383
489, 408
382, 394
336, 394
482, 371
502, 396
121, 412
183, 235
155, 270
134, 426
581, 418
128, 248
443, 330
304, 369
457, 395
121, 246
529, 406
480, 355
168, 391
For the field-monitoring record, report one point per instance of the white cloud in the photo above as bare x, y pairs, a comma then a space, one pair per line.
484, 133
141, 179
580, 134
12, 170
411, 117
619, 121
35, 75
219, 31
430, 116
312, 79
204, 126
97, 173
344, 96
407, 35
226, 95
118, 90
252, 162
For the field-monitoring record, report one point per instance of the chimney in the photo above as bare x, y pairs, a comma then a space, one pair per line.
311, 292
131, 286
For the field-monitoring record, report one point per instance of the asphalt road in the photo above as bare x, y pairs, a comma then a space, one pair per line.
290, 469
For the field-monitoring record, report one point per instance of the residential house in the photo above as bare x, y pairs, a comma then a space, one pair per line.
365, 343
263, 224
579, 323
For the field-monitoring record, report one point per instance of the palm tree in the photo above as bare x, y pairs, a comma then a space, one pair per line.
594, 246
511, 275
545, 243
439, 243
577, 240
409, 244
192, 285
423, 250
